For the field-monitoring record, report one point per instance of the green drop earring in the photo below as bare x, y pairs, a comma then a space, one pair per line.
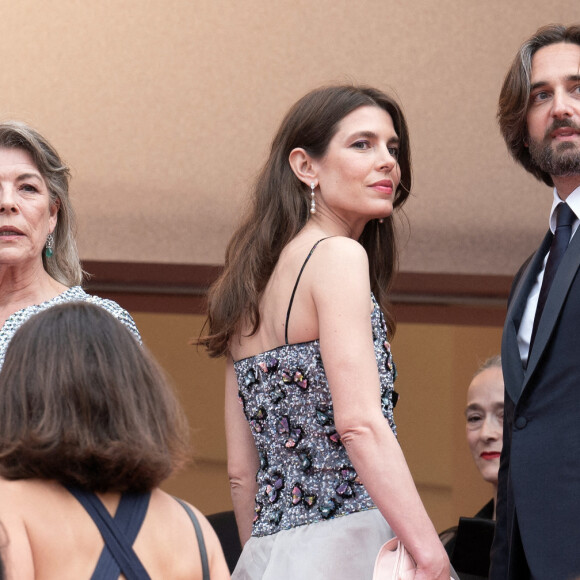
48, 249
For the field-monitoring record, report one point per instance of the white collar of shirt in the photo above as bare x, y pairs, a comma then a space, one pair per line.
573, 200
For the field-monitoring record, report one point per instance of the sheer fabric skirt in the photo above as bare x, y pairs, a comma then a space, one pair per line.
343, 548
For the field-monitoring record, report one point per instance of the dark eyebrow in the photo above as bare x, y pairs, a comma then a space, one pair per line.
372, 135
367, 134
539, 84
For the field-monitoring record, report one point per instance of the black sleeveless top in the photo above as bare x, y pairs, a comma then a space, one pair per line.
119, 533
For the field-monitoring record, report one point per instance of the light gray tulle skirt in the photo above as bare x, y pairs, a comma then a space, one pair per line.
343, 548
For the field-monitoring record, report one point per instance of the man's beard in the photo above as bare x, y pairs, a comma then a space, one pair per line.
561, 160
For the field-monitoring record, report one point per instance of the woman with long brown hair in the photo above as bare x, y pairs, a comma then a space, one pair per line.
301, 311
89, 428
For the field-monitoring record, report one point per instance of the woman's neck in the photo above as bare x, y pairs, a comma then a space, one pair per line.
331, 224
20, 288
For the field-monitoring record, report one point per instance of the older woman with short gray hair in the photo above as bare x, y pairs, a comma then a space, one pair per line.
39, 262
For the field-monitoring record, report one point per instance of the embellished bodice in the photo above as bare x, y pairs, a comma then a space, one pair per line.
73, 294
305, 474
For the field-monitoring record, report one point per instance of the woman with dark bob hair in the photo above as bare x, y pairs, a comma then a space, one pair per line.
39, 262
302, 313
89, 428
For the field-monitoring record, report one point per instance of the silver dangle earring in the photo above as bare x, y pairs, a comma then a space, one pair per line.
382, 220
312, 198
48, 249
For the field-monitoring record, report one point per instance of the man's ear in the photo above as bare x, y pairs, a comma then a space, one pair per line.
303, 167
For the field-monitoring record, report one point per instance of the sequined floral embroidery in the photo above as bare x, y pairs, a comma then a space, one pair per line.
305, 474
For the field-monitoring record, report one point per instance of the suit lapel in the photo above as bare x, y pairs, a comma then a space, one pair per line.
512, 363
555, 301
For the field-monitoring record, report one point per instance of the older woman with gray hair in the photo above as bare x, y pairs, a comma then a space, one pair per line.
39, 262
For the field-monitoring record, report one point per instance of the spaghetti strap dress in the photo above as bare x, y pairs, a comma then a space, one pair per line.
314, 519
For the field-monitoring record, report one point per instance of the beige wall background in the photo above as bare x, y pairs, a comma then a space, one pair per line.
165, 109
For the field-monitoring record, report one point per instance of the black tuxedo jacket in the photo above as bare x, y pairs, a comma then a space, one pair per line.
538, 510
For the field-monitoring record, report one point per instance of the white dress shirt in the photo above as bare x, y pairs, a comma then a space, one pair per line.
525, 330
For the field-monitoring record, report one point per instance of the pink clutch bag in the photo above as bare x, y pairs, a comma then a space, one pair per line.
394, 562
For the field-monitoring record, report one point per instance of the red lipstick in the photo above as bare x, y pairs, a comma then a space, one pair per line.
490, 455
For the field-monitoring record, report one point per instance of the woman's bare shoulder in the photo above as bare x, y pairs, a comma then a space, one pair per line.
334, 256
12, 495
26, 491
342, 248
20, 502
169, 505
173, 512
163, 501
341, 264
301, 245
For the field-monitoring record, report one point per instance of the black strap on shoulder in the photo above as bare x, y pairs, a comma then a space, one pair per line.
119, 533
199, 536
296, 286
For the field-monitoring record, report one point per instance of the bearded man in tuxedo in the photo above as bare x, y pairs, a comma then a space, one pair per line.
538, 511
